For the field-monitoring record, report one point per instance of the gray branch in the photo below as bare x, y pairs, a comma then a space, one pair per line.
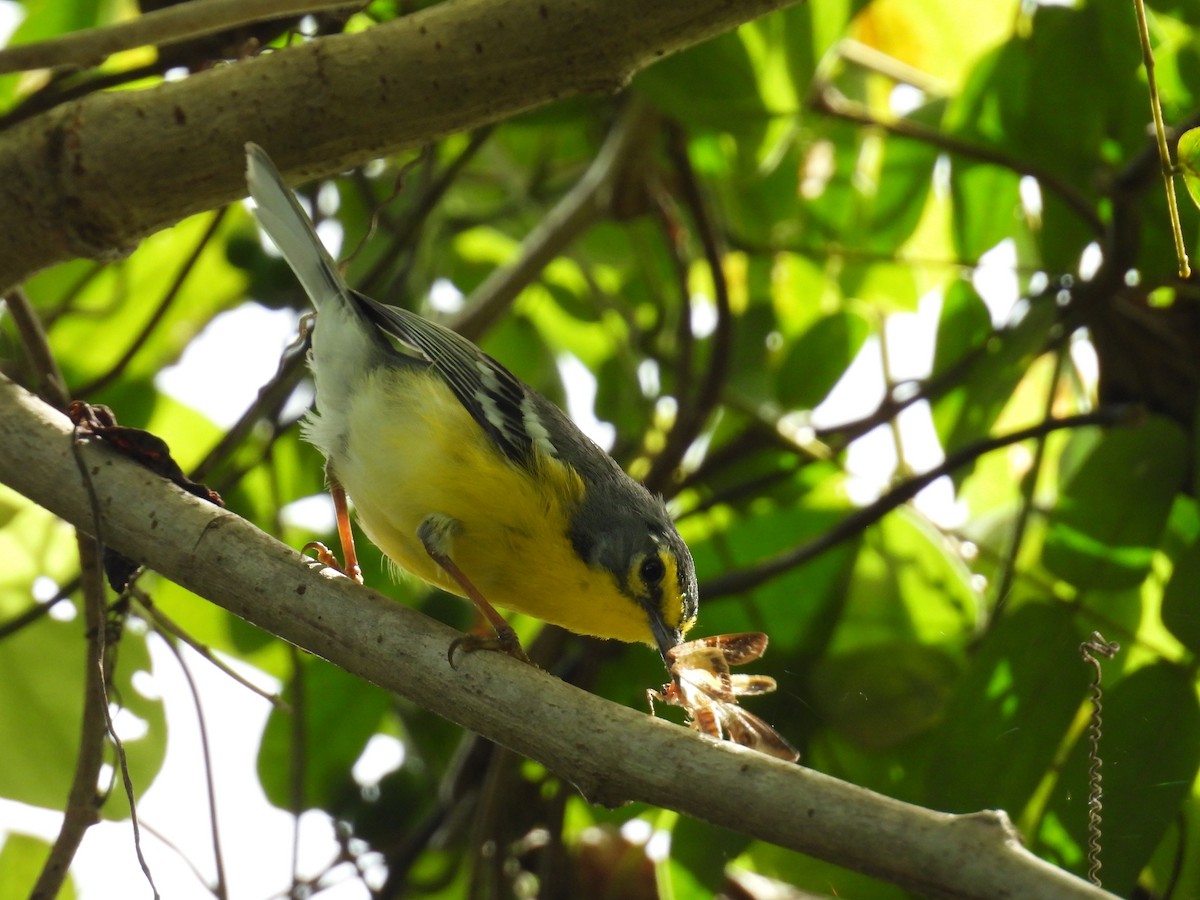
612, 754
93, 177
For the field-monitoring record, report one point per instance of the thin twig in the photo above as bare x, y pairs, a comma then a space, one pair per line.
404, 232
1167, 167
583, 206
83, 802
695, 413
855, 523
48, 377
165, 623
102, 381
270, 400
1090, 649
221, 888
164, 26
127, 781
183, 857
298, 774
1008, 570
825, 100
101, 671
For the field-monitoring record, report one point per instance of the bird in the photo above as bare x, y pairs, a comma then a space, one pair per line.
465, 476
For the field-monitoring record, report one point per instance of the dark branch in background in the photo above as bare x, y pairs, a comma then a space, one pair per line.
855, 523
267, 405
1008, 570
402, 234
764, 432
91, 46
83, 803
34, 613
695, 410
46, 378
685, 338
583, 206
825, 99
164, 305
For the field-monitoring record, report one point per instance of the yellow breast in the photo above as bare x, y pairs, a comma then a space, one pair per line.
413, 450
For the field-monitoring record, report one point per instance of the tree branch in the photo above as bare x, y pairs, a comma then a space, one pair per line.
610, 753
162, 26
89, 178
84, 800
858, 521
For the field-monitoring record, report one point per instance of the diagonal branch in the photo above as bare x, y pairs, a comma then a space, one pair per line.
162, 26
854, 524
610, 753
93, 177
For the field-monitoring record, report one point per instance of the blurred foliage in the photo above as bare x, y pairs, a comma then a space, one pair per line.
952, 221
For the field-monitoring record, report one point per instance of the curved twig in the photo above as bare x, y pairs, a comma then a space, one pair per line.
1166, 165
853, 524
102, 381
1094, 647
164, 26
694, 413
826, 102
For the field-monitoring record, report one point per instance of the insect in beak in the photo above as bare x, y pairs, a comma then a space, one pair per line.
703, 686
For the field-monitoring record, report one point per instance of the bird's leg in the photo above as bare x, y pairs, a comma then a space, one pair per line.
435, 533
350, 567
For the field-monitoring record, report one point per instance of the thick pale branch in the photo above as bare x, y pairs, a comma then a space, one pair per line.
609, 752
93, 177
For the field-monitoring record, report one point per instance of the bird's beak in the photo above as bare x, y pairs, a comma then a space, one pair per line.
665, 636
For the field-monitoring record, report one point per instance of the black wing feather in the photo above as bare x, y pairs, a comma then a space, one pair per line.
494, 397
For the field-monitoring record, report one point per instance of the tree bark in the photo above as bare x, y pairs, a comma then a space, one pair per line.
92, 177
612, 754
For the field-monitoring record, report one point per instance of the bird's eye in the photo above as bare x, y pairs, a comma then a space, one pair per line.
652, 570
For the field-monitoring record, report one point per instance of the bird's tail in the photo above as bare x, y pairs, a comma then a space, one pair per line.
285, 221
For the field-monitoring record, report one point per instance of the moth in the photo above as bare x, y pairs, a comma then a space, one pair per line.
708, 692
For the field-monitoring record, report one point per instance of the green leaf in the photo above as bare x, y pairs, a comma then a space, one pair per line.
714, 85
882, 695
339, 713
1181, 598
1109, 519
1010, 713
908, 583
21, 860
992, 368
987, 206
816, 361
1189, 162
41, 711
